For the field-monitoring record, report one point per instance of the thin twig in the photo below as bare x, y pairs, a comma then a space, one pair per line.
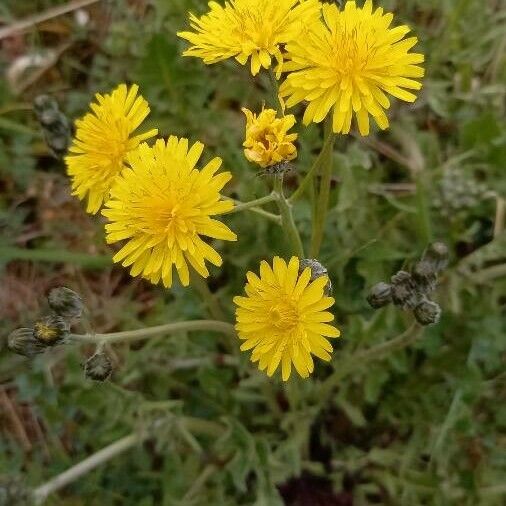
147, 332
35, 19
84, 467
244, 206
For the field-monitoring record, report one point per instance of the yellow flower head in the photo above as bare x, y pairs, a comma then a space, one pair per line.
102, 142
163, 206
350, 61
283, 318
248, 28
267, 138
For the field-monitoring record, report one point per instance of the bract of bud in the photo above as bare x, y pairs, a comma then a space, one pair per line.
50, 330
317, 271
437, 256
23, 342
425, 276
65, 303
427, 312
405, 292
98, 367
380, 295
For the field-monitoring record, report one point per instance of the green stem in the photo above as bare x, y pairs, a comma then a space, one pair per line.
324, 193
288, 222
251, 206
242, 206
209, 298
329, 139
275, 92
147, 332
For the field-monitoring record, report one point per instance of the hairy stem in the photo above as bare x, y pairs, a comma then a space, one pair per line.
147, 332
322, 202
309, 177
195, 425
209, 298
288, 222
72, 474
253, 207
275, 92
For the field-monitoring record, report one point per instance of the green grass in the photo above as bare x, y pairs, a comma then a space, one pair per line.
422, 425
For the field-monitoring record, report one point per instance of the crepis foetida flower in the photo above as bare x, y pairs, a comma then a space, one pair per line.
284, 318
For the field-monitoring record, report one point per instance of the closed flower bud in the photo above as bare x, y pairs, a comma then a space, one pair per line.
50, 330
427, 312
43, 103
98, 367
317, 271
425, 276
380, 295
65, 303
55, 125
23, 342
437, 256
405, 292
13, 492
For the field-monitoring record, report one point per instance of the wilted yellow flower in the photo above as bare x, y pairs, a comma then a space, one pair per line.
267, 138
350, 61
163, 205
248, 28
102, 142
283, 318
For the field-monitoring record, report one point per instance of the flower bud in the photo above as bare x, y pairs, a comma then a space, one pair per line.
23, 342
65, 303
437, 256
405, 292
98, 367
55, 125
317, 271
13, 492
427, 312
380, 295
425, 276
50, 330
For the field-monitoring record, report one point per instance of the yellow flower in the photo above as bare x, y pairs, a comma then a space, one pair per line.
283, 318
103, 141
267, 138
248, 28
162, 205
350, 61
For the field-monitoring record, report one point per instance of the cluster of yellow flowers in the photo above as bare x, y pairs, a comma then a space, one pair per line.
162, 206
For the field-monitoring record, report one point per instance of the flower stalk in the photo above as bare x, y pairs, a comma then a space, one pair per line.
323, 195
147, 332
288, 223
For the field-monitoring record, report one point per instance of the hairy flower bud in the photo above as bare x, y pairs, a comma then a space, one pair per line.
425, 276
50, 330
55, 125
98, 367
13, 492
427, 312
65, 303
437, 256
23, 342
405, 292
317, 271
380, 295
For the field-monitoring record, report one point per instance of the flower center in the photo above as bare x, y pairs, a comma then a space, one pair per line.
284, 315
350, 55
